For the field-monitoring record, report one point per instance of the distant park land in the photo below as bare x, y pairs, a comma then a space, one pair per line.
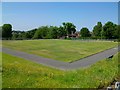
63, 50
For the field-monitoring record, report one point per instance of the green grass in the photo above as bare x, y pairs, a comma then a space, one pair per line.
0, 66
63, 50
0, 70
20, 73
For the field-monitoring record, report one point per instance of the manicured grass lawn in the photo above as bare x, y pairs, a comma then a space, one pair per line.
63, 50
20, 73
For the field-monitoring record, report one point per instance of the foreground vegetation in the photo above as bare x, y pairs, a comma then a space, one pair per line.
20, 73
0, 70
63, 50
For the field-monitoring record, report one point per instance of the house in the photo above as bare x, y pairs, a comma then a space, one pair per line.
75, 35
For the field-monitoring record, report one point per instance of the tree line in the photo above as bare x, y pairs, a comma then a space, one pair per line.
67, 30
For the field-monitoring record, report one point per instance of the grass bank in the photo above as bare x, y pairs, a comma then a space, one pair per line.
20, 73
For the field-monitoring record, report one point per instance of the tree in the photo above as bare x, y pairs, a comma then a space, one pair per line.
31, 33
15, 36
97, 30
118, 31
108, 30
69, 27
52, 33
61, 32
18, 35
25, 35
115, 32
41, 33
84, 32
0, 32
7, 31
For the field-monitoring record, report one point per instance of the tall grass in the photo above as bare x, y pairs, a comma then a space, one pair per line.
0, 70
20, 73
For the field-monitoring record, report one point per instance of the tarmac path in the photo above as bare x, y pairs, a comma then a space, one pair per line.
84, 62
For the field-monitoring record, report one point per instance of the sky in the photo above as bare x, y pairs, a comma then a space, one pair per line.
0, 14
25, 16
60, 0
